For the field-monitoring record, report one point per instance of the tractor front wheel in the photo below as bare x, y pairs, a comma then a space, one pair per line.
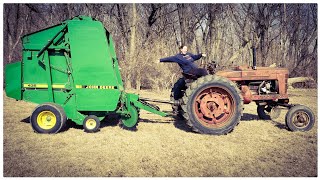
299, 118
91, 124
48, 118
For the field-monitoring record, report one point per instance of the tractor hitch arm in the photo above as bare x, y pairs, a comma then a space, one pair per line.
175, 102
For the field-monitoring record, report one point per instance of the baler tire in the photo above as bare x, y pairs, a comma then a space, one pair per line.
297, 113
40, 124
214, 84
131, 127
91, 124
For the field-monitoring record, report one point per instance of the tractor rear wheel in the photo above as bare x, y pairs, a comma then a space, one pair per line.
91, 124
299, 118
212, 105
48, 118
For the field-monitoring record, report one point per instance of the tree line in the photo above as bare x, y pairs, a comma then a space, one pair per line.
283, 34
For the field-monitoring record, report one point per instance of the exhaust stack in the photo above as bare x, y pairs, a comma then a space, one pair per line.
254, 64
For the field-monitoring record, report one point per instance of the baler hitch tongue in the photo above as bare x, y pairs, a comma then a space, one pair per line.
175, 102
149, 107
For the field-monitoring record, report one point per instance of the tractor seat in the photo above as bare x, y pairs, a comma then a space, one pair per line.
189, 76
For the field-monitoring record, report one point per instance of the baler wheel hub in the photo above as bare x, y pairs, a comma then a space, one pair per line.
46, 120
91, 123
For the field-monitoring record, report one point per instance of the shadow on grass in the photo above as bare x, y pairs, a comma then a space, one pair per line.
182, 125
154, 121
109, 120
26, 120
178, 121
158, 120
249, 117
279, 125
254, 117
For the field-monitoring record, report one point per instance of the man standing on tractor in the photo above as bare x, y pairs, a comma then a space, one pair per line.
185, 61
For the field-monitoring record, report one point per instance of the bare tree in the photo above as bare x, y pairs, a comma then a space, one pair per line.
285, 34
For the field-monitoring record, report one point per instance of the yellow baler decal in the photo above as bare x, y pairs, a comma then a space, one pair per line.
44, 86
61, 86
58, 86
95, 87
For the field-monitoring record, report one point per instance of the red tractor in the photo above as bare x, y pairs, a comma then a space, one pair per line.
214, 104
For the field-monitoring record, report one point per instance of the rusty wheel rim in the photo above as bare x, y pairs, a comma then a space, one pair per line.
214, 107
301, 119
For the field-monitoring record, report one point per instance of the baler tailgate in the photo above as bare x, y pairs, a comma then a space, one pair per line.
13, 80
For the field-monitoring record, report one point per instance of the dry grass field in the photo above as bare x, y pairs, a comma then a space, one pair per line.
160, 147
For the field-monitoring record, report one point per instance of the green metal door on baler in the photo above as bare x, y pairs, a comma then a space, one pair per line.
97, 88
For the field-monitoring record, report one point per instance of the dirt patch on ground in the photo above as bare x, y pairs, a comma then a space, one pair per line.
161, 146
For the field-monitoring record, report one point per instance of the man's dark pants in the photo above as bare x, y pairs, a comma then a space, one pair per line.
199, 72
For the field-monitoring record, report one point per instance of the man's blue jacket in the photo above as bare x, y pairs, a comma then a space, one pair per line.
185, 61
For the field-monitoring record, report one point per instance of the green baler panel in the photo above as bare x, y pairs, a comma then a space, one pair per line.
59, 72
34, 72
13, 80
37, 40
97, 99
112, 52
40, 95
92, 67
